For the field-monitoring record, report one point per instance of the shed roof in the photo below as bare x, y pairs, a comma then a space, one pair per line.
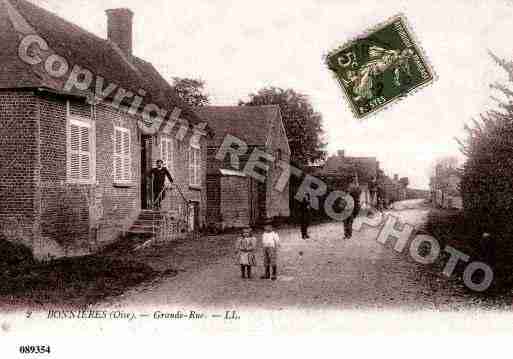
251, 124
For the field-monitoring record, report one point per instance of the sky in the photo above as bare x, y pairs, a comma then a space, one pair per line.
238, 47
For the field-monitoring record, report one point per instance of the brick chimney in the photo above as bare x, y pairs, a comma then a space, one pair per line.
396, 177
341, 153
119, 29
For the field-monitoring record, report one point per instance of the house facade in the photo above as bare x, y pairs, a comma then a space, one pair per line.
75, 164
445, 188
235, 198
393, 189
364, 169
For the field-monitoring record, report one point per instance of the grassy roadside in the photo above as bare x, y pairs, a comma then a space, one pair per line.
450, 227
82, 281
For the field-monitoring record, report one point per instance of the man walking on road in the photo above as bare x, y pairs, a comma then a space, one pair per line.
354, 192
305, 216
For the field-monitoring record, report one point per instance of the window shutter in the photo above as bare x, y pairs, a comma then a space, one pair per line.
117, 154
75, 166
171, 155
166, 152
122, 157
126, 156
194, 168
198, 167
84, 167
74, 152
84, 139
194, 160
85, 159
80, 147
117, 142
191, 165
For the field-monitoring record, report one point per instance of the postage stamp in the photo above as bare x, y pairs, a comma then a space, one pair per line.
380, 67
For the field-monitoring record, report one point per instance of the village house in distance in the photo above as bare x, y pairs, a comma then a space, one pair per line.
445, 188
234, 199
75, 172
339, 169
364, 169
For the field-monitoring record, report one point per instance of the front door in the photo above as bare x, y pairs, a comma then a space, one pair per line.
146, 166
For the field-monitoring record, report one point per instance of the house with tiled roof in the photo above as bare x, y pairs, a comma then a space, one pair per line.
235, 199
82, 122
364, 169
445, 187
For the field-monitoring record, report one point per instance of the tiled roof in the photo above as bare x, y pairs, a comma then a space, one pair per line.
79, 47
366, 167
251, 124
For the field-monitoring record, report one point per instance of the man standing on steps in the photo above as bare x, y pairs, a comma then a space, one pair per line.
159, 175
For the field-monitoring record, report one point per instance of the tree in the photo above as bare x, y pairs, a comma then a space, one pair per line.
302, 123
191, 91
487, 179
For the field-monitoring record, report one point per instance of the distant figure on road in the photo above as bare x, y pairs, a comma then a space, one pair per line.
354, 192
159, 175
381, 198
246, 246
305, 216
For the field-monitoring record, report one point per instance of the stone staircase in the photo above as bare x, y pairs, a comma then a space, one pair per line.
168, 223
148, 223
160, 226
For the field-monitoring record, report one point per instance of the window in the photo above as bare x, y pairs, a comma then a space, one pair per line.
279, 155
194, 166
80, 149
122, 159
167, 152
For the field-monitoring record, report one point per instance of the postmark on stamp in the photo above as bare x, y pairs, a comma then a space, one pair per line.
380, 67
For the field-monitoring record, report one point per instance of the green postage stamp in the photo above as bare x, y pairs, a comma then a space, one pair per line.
380, 67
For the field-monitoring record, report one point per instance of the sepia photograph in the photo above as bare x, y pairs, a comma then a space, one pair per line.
238, 168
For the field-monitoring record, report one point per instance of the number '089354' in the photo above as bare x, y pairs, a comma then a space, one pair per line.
35, 349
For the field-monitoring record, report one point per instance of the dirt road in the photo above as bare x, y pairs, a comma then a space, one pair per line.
326, 271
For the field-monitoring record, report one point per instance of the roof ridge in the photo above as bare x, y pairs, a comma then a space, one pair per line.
124, 57
17, 20
83, 48
51, 13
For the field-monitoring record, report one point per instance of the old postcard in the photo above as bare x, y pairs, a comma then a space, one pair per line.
312, 173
